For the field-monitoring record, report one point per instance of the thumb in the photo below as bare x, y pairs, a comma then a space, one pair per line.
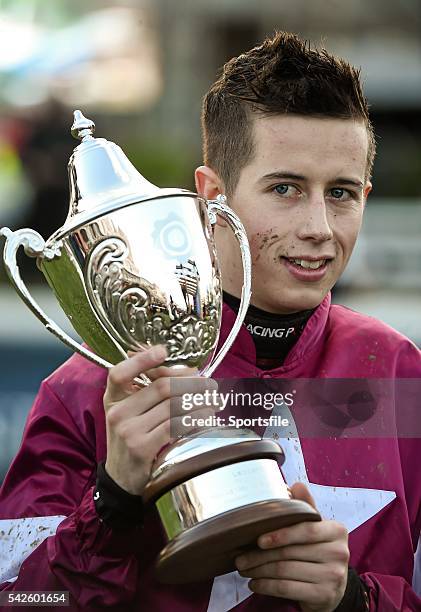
300, 491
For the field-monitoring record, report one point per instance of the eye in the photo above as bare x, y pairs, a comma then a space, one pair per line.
285, 189
338, 193
281, 189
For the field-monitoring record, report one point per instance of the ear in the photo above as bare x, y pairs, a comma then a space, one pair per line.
209, 185
367, 188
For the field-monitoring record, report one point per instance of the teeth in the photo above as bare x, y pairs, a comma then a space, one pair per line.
312, 265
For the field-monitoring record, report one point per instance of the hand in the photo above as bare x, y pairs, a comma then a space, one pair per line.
307, 562
138, 419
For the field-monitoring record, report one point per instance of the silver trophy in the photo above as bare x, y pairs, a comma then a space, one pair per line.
134, 266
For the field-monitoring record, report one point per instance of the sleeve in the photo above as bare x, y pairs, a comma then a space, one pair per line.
394, 593
390, 594
51, 538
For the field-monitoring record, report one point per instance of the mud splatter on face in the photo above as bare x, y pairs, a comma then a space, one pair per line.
267, 240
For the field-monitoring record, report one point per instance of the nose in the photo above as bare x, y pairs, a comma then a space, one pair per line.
314, 223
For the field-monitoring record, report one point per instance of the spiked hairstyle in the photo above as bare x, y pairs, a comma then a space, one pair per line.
283, 75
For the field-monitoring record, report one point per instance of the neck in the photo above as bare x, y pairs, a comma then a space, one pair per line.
273, 334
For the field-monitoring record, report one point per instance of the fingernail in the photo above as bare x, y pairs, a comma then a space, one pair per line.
264, 541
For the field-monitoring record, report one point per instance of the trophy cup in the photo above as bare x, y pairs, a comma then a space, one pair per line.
134, 266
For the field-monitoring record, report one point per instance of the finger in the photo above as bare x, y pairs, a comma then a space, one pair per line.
303, 571
159, 437
171, 371
120, 376
315, 553
162, 435
304, 592
177, 411
300, 491
163, 370
304, 533
139, 425
138, 402
180, 425
146, 451
145, 399
257, 557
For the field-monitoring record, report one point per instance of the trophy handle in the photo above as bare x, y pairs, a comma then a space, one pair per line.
219, 207
34, 246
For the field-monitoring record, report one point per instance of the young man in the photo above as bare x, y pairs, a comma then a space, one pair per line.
288, 140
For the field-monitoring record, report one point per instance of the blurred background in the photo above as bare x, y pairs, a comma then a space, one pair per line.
140, 69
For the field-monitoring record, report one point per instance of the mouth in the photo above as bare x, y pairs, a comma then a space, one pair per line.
308, 268
307, 264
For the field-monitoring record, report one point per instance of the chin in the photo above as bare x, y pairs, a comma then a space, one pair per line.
294, 302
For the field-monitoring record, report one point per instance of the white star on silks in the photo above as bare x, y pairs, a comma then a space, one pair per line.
333, 503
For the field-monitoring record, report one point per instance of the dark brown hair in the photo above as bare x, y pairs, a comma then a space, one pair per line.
282, 75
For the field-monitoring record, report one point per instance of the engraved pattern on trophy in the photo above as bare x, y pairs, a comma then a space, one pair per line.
135, 311
117, 303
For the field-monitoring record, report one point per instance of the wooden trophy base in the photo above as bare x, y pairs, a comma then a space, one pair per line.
209, 548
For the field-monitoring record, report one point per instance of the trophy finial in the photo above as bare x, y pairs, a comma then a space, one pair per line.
82, 127
100, 174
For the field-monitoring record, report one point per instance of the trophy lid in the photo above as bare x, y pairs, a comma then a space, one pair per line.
102, 179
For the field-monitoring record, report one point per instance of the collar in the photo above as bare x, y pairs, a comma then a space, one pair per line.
243, 349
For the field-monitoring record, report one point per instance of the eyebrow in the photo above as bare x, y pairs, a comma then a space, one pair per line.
300, 177
282, 175
347, 181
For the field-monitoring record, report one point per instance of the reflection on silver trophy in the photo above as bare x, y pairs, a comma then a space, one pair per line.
134, 266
